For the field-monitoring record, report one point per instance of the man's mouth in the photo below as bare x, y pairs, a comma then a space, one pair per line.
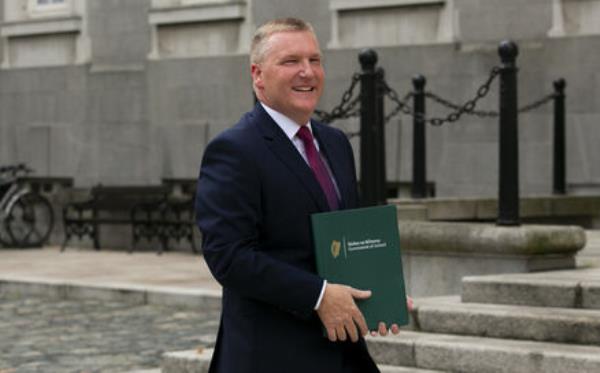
303, 89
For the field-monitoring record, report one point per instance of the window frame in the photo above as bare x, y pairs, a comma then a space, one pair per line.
53, 8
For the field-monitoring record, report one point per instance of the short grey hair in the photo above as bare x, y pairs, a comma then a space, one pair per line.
258, 47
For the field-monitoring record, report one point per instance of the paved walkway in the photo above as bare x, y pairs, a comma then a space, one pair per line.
85, 266
46, 335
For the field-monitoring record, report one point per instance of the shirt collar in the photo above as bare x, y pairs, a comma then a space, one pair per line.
286, 124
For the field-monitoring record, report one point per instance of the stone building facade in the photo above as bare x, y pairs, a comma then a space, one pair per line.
130, 91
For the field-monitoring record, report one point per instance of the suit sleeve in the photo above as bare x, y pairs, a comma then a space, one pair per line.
228, 212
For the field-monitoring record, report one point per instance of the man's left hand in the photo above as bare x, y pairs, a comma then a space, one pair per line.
383, 330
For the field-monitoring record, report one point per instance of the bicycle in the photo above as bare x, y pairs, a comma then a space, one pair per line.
26, 217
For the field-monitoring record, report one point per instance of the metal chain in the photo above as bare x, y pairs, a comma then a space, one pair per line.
469, 106
490, 113
401, 105
534, 105
453, 106
346, 108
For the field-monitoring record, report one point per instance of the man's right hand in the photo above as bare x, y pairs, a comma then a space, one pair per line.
339, 313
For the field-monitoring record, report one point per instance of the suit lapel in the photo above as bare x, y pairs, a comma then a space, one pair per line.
283, 149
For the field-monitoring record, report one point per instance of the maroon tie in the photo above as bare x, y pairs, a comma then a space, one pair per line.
318, 167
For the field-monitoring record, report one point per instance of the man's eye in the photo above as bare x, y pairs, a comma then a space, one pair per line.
315, 61
290, 62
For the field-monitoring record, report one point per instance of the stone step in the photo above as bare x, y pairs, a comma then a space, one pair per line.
198, 362
565, 325
566, 289
396, 369
192, 361
469, 354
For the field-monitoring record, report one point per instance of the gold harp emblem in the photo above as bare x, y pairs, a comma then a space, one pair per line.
335, 248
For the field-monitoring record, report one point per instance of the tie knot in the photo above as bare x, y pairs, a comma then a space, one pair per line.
305, 135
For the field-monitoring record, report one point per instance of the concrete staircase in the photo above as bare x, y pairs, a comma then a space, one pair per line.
540, 322
546, 322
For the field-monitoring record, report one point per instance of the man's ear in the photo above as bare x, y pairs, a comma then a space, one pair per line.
256, 73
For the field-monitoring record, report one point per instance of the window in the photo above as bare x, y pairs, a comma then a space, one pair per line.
49, 2
357, 23
198, 28
48, 7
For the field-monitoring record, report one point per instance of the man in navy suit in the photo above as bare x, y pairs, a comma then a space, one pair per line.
257, 188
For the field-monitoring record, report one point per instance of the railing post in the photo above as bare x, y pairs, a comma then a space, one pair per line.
380, 178
372, 151
559, 170
419, 173
508, 193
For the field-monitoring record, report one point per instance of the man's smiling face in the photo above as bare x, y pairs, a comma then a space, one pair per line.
289, 76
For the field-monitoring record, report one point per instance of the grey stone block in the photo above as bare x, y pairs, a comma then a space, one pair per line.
491, 239
514, 322
32, 287
394, 369
489, 355
108, 293
471, 356
559, 362
193, 361
198, 362
204, 299
412, 212
575, 205
590, 294
438, 273
394, 351
520, 291
476, 14
451, 209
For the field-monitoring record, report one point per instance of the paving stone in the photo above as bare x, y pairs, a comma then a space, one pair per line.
190, 361
46, 335
393, 369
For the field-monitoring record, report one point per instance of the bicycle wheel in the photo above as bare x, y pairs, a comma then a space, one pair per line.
5, 240
30, 221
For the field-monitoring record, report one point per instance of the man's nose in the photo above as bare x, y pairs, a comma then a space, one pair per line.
306, 69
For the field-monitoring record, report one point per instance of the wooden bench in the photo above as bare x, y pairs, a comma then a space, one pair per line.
179, 214
139, 206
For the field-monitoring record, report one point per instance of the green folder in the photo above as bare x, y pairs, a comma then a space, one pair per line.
361, 248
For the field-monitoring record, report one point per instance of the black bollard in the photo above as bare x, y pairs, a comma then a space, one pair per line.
419, 170
379, 142
559, 171
508, 193
372, 151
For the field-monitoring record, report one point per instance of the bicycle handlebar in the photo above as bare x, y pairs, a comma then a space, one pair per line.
14, 170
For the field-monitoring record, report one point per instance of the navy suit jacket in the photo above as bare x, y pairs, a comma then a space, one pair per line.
254, 200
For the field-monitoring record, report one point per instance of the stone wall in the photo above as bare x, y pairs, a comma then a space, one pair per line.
127, 91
